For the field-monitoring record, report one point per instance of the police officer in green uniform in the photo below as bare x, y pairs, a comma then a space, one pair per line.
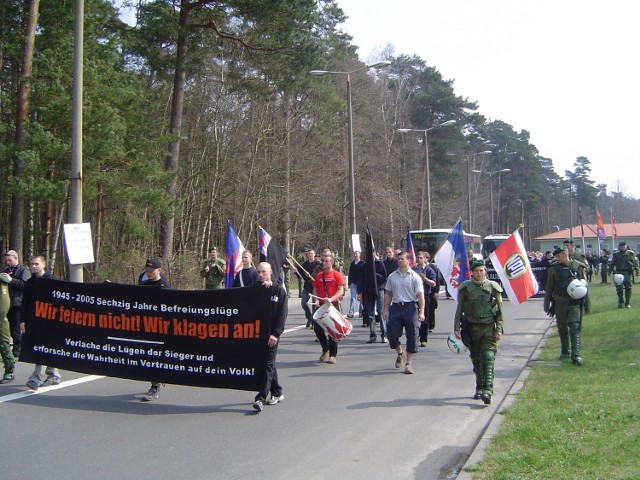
604, 265
568, 311
574, 253
5, 335
213, 270
480, 303
624, 262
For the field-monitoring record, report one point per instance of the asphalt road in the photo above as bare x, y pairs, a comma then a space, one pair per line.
358, 419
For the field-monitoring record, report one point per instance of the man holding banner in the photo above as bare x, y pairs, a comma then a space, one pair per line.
153, 269
277, 319
37, 378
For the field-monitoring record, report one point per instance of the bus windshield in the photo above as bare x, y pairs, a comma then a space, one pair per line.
491, 242
431, 240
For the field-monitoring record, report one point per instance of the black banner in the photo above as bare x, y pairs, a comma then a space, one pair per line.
539, 270
206, 338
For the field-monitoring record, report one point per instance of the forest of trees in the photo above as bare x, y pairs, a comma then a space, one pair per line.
196, 112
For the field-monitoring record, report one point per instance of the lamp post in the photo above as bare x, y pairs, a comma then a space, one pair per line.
426, 179
472, 157
352, 180
491, 174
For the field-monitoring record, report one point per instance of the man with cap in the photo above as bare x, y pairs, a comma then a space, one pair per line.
624, 262
480, 303
575, 253
568, 311
152, 274
153, 271
604, 265
213, 270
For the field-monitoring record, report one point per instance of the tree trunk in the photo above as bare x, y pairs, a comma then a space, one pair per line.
24, 91
175, 128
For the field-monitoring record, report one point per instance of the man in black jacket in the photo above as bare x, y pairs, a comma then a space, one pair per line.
16, 275
306, 272
277, 319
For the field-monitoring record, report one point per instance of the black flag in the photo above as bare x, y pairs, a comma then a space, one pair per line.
370, 286
273, 253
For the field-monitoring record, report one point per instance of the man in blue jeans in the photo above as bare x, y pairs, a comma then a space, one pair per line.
354, 277
403, 310
42, 376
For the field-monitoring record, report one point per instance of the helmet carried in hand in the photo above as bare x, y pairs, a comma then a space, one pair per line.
577, 289
455, 345
618, 279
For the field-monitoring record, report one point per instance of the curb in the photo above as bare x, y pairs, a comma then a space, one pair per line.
495, 422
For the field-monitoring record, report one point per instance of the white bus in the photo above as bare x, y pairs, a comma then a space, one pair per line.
491, 242
432, 239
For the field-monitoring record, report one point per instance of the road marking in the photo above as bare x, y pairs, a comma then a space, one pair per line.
299, 327
88, 378
68, 383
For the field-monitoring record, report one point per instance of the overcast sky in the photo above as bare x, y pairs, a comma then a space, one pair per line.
567, 71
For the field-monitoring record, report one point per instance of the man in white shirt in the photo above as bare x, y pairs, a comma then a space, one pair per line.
403, 309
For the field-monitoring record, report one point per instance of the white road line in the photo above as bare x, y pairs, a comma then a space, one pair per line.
68, 383
299, 327
88, 378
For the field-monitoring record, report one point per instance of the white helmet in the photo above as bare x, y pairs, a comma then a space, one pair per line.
577, 289
618, 279
455, 345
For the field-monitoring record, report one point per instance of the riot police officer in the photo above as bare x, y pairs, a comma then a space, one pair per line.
480, 301
624, 262
568, 311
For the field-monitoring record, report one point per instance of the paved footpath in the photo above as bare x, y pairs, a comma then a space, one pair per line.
358, 419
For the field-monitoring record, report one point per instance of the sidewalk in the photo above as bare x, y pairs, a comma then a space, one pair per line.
493, 426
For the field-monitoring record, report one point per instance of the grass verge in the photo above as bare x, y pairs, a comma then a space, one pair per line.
573, 422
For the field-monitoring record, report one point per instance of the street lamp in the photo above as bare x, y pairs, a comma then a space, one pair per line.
491, 174
472, 156
352, 179
426, 180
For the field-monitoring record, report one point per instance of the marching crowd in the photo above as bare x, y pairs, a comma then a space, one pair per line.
404, 302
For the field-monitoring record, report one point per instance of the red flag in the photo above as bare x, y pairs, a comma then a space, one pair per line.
512, 266
599, 225
614, 230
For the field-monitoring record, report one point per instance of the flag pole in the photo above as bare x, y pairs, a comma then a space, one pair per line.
584, 248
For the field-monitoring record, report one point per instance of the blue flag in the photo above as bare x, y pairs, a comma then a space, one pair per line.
233, 255
452, 260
